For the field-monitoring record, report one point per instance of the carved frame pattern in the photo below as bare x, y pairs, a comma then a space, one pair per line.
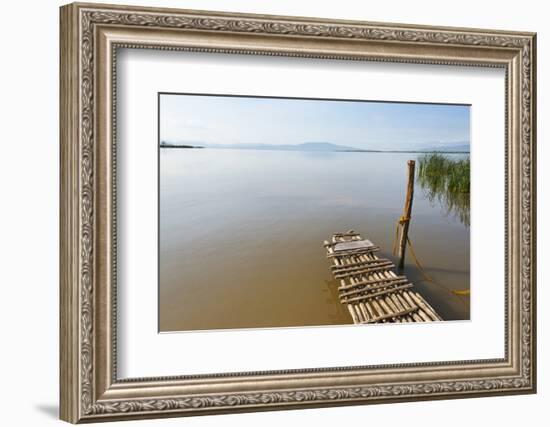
79, 400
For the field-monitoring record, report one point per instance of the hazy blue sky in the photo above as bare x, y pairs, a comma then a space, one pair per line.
364, 125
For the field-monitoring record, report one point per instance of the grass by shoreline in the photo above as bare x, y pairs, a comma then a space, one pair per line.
447, 180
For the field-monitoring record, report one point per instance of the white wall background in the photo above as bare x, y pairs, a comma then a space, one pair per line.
29, 170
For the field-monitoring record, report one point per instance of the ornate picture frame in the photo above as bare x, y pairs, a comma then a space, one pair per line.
90, 37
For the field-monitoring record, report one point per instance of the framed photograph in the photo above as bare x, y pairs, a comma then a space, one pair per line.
267, 212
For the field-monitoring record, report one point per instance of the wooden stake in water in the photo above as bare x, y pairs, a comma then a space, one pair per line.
406, 217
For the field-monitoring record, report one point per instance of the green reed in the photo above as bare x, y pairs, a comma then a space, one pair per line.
448, 181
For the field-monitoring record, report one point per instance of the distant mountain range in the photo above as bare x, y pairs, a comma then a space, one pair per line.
440, 148
314, 146
451, 147
306, 146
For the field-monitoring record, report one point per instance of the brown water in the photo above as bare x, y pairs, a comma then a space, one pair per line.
241, 235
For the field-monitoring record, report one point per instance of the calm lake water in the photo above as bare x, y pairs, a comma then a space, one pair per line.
241, 235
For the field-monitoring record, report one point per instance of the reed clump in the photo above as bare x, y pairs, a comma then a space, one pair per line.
447, 180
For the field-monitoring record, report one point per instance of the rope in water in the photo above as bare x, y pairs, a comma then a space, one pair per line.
426, 276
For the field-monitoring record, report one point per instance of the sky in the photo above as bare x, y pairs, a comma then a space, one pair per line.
201, 119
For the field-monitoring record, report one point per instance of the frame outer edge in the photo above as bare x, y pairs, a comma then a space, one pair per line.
77, 339
69, 355
533, 207
305, 19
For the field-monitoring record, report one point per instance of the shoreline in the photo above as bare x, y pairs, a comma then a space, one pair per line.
322, 151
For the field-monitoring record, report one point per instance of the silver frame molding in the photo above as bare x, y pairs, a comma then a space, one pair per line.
90, 37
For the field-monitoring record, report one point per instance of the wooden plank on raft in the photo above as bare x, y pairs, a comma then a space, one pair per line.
369, 288
390, 315
379, 286
352, 245
353, 252
367, 296
382, 282
366, 270
357, 264
346, 268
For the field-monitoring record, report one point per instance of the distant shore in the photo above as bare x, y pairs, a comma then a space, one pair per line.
180, 146
320, 151
404, 151
320, 147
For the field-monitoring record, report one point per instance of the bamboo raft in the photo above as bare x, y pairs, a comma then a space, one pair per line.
369, 288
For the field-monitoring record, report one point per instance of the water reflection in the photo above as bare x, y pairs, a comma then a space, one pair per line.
446, 181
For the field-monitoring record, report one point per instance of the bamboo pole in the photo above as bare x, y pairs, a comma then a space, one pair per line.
406, 217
